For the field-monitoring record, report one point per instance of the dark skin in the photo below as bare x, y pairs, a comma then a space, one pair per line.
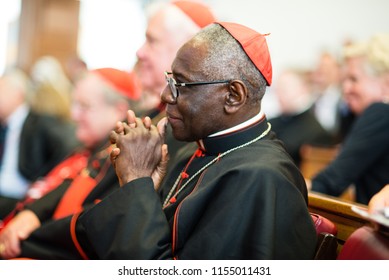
198, 112
141, 149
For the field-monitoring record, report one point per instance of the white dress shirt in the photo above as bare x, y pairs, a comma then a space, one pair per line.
12, 183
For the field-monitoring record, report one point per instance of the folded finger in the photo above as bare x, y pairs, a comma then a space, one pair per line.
113, 137
147, 122
131, 119
113, 155
119, 128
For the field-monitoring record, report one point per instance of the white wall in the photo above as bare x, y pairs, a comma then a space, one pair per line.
9, 14
111, 31
299, 29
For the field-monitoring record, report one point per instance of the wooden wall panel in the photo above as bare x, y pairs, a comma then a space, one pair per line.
47, 27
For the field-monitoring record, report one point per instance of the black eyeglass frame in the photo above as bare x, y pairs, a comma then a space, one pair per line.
173, 84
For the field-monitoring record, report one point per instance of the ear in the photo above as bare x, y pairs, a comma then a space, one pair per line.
236, 97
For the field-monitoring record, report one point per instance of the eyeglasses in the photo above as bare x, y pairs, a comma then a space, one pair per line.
173, 84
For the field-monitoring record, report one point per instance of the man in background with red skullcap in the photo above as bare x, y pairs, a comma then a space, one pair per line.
169, 26
100, 99
238, 196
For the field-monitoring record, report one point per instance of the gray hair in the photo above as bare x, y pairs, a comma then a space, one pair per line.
227, 60
376, 52
113, 96
175, 21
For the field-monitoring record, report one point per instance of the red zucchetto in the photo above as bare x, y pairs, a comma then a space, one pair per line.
200, 13
254, 45
124, 82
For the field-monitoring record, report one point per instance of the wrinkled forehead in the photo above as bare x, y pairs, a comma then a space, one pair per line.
90, 86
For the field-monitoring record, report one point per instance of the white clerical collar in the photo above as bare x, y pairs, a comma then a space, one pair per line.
240, 126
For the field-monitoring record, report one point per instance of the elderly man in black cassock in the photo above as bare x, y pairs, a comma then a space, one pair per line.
238, 196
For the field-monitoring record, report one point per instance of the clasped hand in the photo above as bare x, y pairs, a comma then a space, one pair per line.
139, 149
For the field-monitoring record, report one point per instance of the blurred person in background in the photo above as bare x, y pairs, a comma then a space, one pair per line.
363, 160
297, 125
169, 25
51, 88
100, 99
33, 143
329, 107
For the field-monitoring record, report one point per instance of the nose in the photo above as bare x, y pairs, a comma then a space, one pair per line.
140, 52
167, 96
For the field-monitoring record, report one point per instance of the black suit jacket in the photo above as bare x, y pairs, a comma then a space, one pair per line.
44, 142
296, 130
363, 159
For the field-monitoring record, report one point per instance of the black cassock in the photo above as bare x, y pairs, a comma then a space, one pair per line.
249, 204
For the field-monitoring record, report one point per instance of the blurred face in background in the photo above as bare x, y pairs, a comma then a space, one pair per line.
292, 91
156, 54
327, 73
94, 116
168, 28
361, 88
